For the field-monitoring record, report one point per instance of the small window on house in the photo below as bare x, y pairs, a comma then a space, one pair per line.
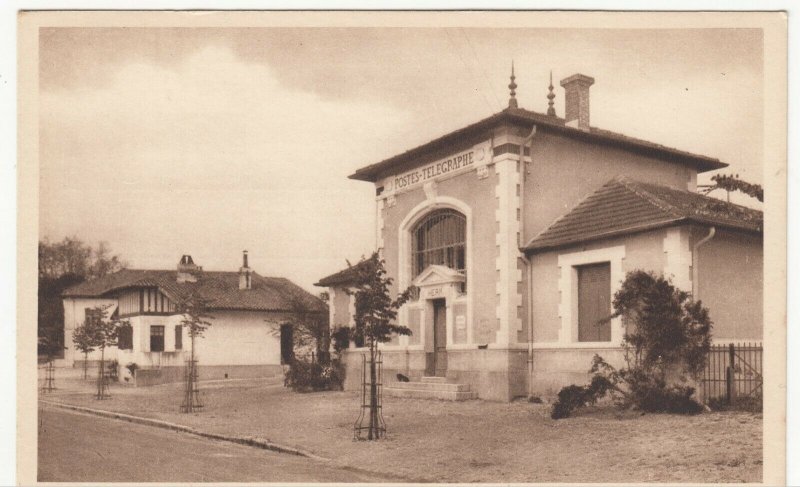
92, 315
594, 302
125, 338
178, 337
156, 338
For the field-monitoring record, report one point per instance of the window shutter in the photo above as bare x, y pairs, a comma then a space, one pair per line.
594, 302
125, 338
178, 337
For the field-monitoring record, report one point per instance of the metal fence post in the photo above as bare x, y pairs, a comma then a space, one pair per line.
730, 390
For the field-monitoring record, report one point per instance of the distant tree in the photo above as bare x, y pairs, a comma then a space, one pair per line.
61, 265
732, 182
375, 314
195, 320
51, 311
84, 342
72, 256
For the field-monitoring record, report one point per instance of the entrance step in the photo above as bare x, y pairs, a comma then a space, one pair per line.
430, 389
430, 386
434, 379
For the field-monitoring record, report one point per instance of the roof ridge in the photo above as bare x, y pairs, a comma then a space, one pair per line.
700, 162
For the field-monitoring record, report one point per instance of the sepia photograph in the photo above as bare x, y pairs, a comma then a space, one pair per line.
402, 247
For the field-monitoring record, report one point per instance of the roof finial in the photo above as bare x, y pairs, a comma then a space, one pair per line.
550, 110
512, 102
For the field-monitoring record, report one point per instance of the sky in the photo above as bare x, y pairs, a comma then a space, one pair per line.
209, 141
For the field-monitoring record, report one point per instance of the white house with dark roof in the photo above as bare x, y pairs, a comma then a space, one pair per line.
518, 229
250, 335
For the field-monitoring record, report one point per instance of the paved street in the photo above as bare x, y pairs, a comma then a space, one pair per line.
75, 447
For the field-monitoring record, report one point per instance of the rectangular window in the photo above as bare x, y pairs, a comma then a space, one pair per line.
594, 302
125, 338
156, 338
178, 337
93, 315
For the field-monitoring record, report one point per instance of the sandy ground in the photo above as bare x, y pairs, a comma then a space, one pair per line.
107, 450
473, 441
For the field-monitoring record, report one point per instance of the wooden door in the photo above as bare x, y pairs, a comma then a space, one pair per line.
440, 337
594, 303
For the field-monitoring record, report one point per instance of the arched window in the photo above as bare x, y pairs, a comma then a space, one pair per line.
440, 238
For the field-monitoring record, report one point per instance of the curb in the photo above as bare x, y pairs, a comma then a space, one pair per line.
264, 445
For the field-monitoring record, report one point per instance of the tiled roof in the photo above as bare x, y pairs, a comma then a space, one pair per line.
624, 206
544, 122
345, 276
220, 289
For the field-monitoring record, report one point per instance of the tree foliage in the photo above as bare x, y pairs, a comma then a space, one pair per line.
310, 327
61, 265
84, 342
100, 332
194, 315
666, 342
375, 310
72, 256
668, 329
732, 182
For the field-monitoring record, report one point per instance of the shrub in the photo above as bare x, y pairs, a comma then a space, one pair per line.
131, 366
752, 404
311, 376
112, 368
661, 398
667, 340
574, 397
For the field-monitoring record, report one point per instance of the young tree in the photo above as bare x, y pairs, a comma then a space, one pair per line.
50, 344
84, 342
195, 319
104, 331
375, 313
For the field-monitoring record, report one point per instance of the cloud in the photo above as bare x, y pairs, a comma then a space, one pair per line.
214, 155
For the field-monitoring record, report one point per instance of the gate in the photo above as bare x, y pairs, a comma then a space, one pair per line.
733, 371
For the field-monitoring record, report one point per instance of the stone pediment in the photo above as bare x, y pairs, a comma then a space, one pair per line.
436, 275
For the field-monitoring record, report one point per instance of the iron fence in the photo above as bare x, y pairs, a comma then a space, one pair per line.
733, 371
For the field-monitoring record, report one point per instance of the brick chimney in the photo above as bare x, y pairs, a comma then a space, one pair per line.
576, 100
245, 281
188, 270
